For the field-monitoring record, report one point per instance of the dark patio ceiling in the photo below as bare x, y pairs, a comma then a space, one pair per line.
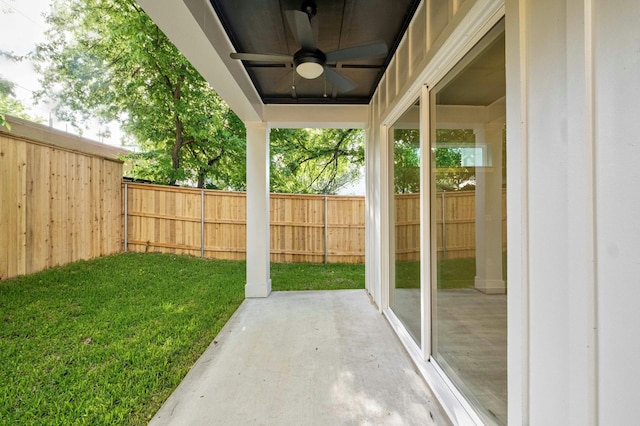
260, 26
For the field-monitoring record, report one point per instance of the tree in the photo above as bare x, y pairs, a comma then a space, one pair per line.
8, 103
319, 161
450, 173
107, 59
406, 161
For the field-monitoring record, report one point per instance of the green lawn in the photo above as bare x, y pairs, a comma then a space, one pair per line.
106, 341
306, 276
452, 273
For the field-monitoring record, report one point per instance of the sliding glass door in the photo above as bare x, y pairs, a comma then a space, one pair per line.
468, 183
447, 293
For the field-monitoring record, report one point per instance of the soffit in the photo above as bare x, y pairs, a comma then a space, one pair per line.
260, 26
482, 82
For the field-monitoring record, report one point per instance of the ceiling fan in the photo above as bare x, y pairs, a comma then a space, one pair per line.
310, 62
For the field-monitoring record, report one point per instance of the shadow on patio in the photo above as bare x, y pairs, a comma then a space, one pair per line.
323, 357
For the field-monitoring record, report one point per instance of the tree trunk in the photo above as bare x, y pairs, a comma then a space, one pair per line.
177, 146
179, 141
202, 173
201, 178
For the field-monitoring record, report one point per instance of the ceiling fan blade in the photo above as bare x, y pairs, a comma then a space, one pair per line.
301, 29
262, 57
377, 49
343, 83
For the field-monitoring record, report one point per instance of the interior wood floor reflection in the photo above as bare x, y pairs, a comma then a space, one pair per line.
470, 343
471, 346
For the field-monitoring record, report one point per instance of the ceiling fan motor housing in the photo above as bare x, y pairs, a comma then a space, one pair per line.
309, 65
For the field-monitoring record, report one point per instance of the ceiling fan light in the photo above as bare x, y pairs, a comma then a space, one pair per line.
309, 70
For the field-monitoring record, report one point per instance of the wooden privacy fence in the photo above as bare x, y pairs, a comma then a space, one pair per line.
59, 198
455, 225
304, 228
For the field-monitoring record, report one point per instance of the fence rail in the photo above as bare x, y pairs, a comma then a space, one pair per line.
455, 225
304, 228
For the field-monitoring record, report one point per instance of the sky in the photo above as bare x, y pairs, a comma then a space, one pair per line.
22, 26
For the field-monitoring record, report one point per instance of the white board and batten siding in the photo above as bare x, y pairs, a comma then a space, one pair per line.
573, 149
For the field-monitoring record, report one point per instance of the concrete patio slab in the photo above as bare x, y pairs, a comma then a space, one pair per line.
304, 358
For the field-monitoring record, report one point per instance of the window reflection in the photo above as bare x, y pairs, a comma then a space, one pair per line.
469, 314
404, 295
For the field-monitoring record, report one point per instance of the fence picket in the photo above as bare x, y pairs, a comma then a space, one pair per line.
304, 228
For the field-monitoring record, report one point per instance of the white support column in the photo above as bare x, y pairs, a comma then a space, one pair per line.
372, 277
258, 239
489, 210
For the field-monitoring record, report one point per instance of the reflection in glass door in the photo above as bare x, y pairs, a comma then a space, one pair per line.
469, 305
404, 294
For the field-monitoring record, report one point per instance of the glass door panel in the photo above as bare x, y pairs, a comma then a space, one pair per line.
404, 294
469, 304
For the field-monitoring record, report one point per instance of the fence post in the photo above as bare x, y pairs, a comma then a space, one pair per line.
444, 227
326, 230
202, 223
126, 217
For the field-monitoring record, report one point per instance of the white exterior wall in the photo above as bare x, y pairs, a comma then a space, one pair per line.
616, 129
545, 213
573, 101
573, 123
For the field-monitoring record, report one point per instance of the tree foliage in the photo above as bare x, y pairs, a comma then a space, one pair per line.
319, 161
8, 103
107, 59
406, 161
451, 175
